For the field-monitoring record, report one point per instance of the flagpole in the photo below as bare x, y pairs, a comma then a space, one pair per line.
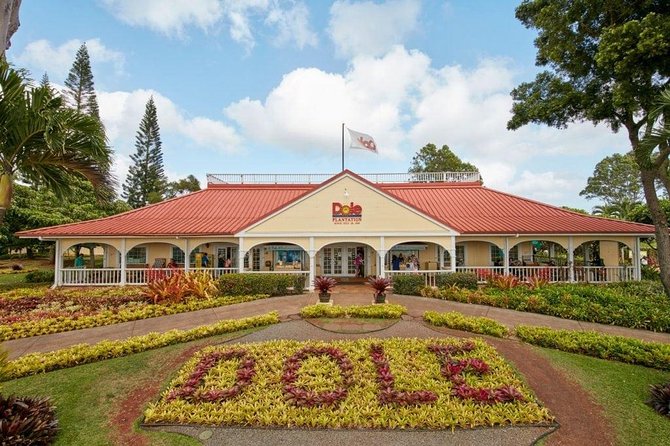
343, 146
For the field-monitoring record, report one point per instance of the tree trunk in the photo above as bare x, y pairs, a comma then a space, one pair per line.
9, 22
6, 191
661, 225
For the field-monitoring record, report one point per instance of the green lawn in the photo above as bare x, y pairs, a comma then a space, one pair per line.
621, 390
13, 278
87, 396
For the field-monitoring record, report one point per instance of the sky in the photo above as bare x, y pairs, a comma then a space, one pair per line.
263, 86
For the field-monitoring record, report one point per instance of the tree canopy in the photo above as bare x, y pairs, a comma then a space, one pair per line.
182, 186
146, 181
606, 62
432, 159
80, 91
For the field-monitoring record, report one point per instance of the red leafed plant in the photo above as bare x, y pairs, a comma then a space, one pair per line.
535, 282
387, 393
504, 282
660, 398
324, 284
379, 284
308, 398
188, 390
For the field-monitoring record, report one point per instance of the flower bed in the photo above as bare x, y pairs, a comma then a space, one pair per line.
40, 311
367, 383
458, 321
591, 343
384, 311
84, 353
613, 305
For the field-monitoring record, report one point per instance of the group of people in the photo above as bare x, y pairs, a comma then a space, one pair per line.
204, 262
411, 263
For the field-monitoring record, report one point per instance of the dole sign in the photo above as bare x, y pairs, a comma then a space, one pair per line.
347, 214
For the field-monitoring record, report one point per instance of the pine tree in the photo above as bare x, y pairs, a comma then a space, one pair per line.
146, 181
80, 93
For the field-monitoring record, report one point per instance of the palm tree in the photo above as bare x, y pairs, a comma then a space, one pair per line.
45, 143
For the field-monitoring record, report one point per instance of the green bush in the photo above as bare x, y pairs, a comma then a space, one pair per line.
84, 353
459, 279
591, 343
382, 311
458, 321
272, 284
40, 276
649, 273
408, 284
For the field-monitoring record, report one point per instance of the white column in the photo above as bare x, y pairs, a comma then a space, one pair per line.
187, 256
123, 262
105, 254
240, 256
440, 257
312, 264
571, 260
506, 256
452, 254
637, 269
58, 265
382, 257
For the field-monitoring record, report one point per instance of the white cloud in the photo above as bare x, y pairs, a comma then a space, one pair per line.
122, 111
544, 186
290, 18
42, 55
164, 17
368, 28
305, 111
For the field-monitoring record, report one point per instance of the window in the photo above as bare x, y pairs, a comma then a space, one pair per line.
137, 256
497, 256
178, 255
460, 256
514, 253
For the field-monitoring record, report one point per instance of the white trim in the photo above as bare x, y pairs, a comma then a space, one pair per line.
328, 184
344, 234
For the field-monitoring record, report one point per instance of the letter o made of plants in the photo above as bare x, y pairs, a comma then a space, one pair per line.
189, 389
308, 398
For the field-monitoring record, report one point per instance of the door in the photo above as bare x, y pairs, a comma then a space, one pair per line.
340, 260
226, 257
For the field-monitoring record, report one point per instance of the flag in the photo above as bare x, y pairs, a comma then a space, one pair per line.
362, 141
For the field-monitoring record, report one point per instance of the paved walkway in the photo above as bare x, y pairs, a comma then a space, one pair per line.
289, 306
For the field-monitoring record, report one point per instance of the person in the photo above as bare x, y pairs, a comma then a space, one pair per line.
395, 263
644, 261
401, 259
228, 264
204, 260
172, 264
79, 261
358, 262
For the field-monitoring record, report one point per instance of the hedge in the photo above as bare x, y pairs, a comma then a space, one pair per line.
84, 353
591, 343
407, 284
382, 311
271, 284
459, 279
40, 276
458, 321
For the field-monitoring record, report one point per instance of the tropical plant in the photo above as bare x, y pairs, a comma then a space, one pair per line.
27, 421
42, 142
324, 284
660, 399
379, 284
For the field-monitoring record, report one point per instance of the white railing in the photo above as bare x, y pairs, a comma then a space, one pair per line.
141, 276
428, 275
482, 272
317, 178
604, 274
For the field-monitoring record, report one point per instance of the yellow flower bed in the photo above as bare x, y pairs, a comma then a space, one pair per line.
367, 383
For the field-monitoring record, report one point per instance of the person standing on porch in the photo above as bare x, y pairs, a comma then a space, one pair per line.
204, 261
79, 261
358, 262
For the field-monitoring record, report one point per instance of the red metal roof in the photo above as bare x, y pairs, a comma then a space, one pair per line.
226, 209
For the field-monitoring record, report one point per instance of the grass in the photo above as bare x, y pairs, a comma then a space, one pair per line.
621, 390
13, 278
87, 396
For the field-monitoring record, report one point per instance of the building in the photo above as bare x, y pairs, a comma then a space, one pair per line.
349, 224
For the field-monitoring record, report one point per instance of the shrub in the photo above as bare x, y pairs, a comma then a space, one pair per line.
408, 284
85, 353
324, 284
660, 398
459, 279
40, 276
650, 273
379, 284
504, 282
458, 321
17, 267
384, 311
27, 421
591, 343
250, 283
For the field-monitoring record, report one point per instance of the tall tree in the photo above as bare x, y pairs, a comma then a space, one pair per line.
9, 23
607, 62
615, 181
80, 92
182, 186
432, 159
146, 181
44, 143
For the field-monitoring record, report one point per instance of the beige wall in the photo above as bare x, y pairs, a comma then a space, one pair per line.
477, 254
609, 253
379, 214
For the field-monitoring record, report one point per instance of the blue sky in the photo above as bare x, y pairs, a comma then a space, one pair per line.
262, 86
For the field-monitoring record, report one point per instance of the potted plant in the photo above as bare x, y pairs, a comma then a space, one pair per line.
324, 285
379, 285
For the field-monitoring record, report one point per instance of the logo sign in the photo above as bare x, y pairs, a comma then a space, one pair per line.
347, 214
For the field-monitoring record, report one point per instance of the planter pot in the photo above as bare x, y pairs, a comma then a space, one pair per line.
324, 297
380, 298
